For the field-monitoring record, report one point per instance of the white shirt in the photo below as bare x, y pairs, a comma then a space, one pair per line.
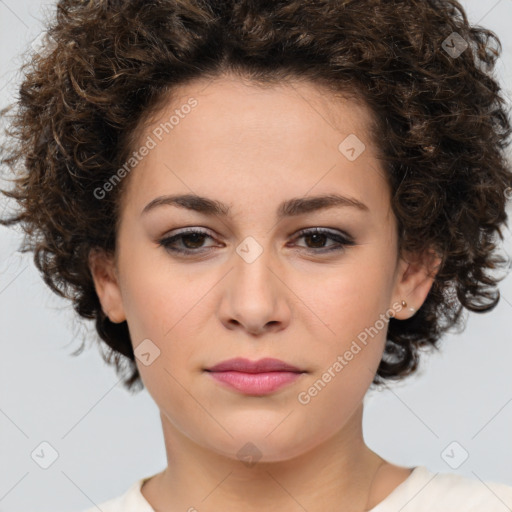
422, 491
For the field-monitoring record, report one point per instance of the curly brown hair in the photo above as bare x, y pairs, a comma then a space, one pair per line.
440, 123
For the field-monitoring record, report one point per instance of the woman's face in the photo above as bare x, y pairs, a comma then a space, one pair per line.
251, 285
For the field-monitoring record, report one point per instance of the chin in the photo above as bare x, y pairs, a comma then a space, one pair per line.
253, 446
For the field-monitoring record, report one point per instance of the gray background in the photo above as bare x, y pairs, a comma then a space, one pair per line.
106, 438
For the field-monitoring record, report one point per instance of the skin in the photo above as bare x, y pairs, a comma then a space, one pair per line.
252, 148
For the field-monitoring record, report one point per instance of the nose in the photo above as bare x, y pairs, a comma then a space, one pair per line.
255, 297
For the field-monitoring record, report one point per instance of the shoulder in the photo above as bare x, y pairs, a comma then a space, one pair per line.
476, 494
131, 500
426, 490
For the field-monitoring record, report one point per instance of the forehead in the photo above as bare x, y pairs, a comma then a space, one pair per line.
293, 106
213, 137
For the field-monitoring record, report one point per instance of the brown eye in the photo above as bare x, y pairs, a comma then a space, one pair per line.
191, 241
318, 237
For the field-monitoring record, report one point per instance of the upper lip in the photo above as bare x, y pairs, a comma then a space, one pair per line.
267, 364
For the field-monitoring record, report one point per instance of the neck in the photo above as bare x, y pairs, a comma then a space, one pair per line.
337, 474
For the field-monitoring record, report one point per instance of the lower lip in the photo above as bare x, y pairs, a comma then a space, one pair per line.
255, 383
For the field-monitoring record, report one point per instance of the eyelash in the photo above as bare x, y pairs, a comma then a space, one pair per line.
341, 240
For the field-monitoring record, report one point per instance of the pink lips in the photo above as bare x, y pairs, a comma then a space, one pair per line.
255, 378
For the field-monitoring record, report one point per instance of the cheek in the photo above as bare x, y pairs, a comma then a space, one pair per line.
349, 347
157, 294
165, 303
343, 302
160, 308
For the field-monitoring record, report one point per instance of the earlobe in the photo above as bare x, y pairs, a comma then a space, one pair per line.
102, 267
413, 282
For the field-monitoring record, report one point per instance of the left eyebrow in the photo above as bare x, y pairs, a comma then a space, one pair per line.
289, 208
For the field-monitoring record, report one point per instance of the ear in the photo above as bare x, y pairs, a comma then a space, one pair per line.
413, 279
104, 274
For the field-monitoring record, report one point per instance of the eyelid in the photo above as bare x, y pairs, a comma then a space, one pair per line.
341, 240
312, 229
324, 230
